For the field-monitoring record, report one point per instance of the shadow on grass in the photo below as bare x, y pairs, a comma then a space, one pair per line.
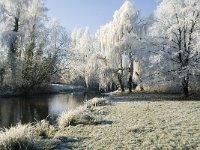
104, 122
136, 97
68, 142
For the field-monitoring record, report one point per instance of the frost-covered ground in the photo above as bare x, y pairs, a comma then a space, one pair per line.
137, 121
129, 124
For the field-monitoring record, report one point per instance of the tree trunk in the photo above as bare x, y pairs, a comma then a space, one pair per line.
13, 64
130, 80
185, 85
121, 82
2, 72
120, 75
28, 70
13, 51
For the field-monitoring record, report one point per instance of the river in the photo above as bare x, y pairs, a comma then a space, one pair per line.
36, 108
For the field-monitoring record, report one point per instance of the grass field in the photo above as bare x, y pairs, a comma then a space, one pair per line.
130, 124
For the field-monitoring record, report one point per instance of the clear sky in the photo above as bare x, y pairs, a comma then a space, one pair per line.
92, 13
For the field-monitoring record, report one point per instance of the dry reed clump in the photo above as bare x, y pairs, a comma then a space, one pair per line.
44, 129
18, 137
81, 115
96, 102
78, 116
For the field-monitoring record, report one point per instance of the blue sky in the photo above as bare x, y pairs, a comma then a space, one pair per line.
92, 13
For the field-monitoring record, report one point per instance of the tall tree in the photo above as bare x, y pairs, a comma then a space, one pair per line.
81, 50
13, 16
117, 39
36, 18
34, 47
176, 27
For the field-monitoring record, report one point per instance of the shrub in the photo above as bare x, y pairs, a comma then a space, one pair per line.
75, 117
18, 137
80, 115
96, 102
43, 128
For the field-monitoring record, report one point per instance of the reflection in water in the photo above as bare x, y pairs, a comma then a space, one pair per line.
60, 103
14, 110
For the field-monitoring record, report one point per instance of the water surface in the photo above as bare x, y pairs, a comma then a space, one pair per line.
31, 109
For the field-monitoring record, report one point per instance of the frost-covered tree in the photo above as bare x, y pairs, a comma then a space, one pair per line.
80, 51
34, 48
36, 17
176, 30
57, 48
20, 20
34, 28
13, 14
49, 55
117, 41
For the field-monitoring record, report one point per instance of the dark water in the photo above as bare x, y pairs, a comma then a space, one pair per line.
31, 109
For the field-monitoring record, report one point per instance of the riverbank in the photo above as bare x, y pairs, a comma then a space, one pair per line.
50, 89
130, 124
133, 122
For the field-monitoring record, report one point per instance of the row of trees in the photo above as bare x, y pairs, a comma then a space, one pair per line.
103, 61
128, 51
32, 49
156, 53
